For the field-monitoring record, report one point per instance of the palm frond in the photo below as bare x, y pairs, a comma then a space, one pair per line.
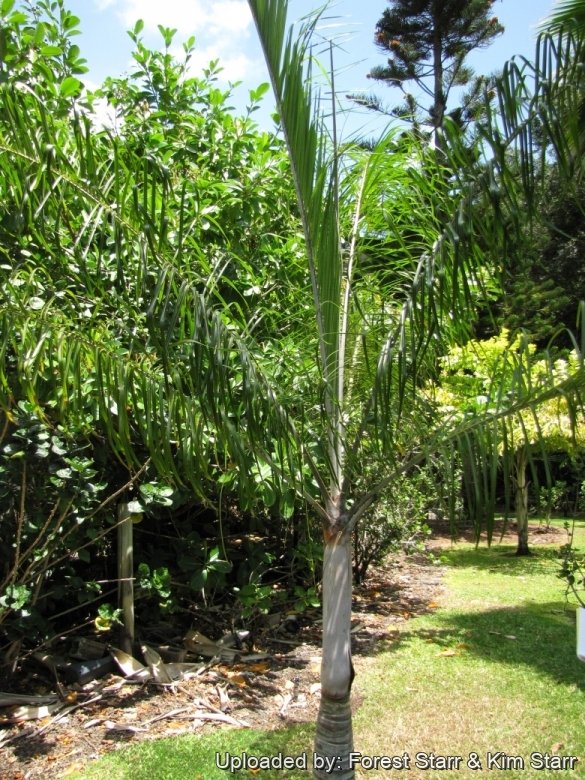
288, 57
85, 243
565, 15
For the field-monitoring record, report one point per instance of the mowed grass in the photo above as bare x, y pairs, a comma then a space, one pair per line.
194, 757
492, 670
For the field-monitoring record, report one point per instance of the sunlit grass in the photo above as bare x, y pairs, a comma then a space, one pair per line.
493, 669
196, 757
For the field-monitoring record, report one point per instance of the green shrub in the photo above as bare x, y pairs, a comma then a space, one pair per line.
51, 501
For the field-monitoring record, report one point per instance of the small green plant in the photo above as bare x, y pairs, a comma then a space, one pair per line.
552, 498
211, 573
156, 494
255, 599
397, 520
108, 616
156, 583
308, 556
305, 598
15, 598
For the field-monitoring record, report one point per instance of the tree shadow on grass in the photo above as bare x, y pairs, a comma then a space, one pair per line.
502, 559
539, 636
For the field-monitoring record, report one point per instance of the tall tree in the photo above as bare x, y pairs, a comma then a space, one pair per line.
548, 271
428, 42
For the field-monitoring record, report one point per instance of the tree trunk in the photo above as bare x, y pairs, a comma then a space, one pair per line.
521, 464
334, 735
439, 103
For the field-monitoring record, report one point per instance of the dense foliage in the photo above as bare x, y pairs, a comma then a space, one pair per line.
117, 245
472, 377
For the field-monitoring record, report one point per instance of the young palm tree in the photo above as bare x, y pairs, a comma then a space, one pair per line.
439, 294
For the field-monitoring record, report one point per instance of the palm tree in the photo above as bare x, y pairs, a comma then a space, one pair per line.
434, 308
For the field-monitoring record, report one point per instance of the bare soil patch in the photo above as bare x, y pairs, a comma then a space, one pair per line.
504, 533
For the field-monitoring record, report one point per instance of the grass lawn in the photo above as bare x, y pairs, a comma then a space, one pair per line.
492, 670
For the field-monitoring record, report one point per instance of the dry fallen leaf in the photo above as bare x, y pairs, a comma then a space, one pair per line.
224, 699
18, 714
448, 653
557, 747
156, 665
237, 679
129, 665
258, 668
432, 605
6, 699
175, 724
93, 722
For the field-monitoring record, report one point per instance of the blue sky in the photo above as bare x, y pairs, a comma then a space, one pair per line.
224, 30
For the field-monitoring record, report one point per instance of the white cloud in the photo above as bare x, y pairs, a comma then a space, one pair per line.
186, 15
199, 17
221, 29
231, 15
235, 66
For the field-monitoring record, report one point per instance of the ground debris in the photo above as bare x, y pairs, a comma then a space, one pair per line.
255, 683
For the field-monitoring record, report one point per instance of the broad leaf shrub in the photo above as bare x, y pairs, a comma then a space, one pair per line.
401, 518
51, 494
107, 236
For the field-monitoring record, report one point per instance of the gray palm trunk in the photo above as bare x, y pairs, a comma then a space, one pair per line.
520, 466
334, 735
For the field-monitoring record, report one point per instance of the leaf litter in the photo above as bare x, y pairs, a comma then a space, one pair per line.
50, 727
